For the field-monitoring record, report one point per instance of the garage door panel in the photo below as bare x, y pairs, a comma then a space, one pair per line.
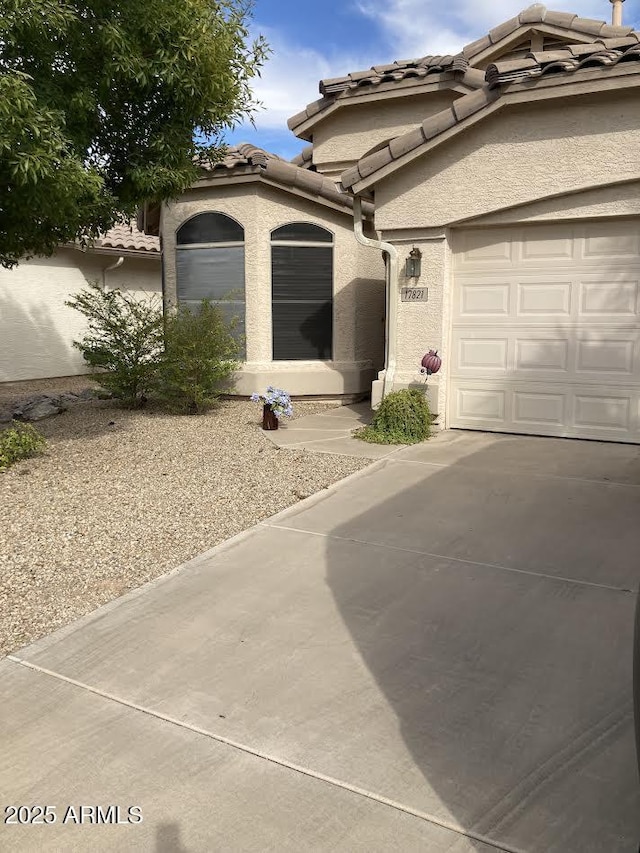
542, 346
602, 412
485, 300
541, 355
609, 240
598, 412
546, 243
531, 409
569, 355
606, 355
609, 297
544, 298
481, 406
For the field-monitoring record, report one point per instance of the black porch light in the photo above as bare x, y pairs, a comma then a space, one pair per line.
413, 263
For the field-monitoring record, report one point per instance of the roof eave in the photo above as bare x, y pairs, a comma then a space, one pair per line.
342, 202
545, 88
449, 81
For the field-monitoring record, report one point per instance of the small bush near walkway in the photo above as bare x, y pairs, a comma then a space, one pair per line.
199, 357
403, 417
19, 441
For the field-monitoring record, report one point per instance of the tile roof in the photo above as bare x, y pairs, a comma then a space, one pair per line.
305, 158
416, 70
129, 238
247, 159
615, 45
599, 54
404, 70
429, 129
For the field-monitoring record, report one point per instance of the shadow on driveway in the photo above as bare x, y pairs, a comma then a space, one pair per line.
500, 632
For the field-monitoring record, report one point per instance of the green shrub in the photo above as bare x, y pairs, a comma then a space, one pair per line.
19, 441
123, 343
200, 356
403, 417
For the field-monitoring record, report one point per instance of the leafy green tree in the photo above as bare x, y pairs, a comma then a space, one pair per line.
123, 343
101, 106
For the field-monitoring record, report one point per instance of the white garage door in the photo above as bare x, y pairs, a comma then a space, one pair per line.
545, 331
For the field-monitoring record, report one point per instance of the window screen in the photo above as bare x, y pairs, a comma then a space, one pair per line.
302, 295
304, 232
210, 228
215, 273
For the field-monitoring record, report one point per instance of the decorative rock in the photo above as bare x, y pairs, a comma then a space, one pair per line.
39, 408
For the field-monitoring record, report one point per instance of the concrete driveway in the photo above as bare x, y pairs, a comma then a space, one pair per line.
434, 655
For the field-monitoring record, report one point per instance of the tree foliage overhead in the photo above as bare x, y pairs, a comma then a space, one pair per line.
101, 103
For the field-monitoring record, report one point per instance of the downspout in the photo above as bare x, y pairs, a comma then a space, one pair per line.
391, 325
115, 266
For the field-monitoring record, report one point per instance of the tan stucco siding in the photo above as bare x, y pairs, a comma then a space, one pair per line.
356, 340
598, 203
515, 157
355, 129
37, 329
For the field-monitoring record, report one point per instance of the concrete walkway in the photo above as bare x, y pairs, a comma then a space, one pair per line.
331, 432
434, 655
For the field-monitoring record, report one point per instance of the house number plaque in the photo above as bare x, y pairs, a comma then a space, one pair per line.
414, 294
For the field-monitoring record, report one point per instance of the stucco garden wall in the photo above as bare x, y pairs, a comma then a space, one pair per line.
356, 128
358, 288
37, 330
536, 164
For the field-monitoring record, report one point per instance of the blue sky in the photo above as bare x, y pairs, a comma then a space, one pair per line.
328, 38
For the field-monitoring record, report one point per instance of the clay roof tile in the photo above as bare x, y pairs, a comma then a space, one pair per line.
128, 238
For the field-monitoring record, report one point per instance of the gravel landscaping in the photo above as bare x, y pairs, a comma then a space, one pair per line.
122, 497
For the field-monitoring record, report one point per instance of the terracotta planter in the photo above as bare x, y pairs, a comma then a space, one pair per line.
269, 419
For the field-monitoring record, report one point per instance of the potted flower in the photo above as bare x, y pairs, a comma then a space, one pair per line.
275, 404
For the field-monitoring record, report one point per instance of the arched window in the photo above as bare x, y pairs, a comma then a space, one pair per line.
210, 264
302, 292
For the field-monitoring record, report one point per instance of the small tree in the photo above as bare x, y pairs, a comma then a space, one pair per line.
123, 343
200, 355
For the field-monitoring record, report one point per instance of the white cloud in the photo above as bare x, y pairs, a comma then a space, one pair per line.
416, 28
290, 78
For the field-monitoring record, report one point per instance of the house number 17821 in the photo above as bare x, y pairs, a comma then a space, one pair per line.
414, 294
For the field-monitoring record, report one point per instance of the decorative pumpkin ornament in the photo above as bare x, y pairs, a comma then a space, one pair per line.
431, 363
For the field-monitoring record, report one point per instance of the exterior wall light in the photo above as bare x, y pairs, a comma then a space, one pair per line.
413, 265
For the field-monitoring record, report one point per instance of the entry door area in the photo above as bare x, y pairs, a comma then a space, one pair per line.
545, 334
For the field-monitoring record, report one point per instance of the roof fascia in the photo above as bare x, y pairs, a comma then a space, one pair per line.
316, 199
446, 82
488, 54
109, 250
542, 88
262, 178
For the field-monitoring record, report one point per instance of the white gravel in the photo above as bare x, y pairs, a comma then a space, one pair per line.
122, 497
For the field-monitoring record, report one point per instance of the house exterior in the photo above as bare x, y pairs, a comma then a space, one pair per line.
511, 168
37, 329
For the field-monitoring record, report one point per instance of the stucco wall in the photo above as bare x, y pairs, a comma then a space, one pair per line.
355, 129
358, 288
515, 157
37, 330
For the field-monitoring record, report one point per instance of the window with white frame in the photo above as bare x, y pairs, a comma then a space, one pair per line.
302, 292
210, 264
